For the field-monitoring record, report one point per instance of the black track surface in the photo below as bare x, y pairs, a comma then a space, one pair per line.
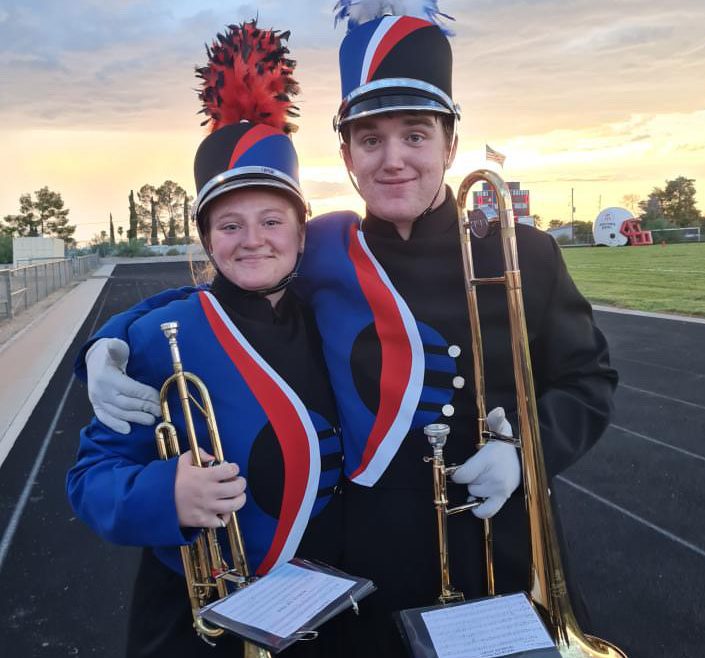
632, 508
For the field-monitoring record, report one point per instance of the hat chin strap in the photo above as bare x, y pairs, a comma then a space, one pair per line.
352, 178
429, 208
264, 292
446, 166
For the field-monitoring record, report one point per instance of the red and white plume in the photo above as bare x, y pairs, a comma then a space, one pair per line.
248, 78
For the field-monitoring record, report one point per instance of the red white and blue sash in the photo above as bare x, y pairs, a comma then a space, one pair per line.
292, 425
401, 378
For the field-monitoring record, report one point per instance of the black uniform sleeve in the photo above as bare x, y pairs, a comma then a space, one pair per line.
574, 381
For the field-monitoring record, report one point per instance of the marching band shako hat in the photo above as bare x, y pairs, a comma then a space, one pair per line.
246, 95
393, 62
245, 155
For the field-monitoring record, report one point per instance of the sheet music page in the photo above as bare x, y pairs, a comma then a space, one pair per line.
486, 629
284, 600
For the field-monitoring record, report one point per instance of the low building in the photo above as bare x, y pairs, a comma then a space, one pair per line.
30, 251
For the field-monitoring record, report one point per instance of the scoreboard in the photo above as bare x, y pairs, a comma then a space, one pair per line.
520, 200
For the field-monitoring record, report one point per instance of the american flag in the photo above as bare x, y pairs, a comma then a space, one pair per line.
495, 156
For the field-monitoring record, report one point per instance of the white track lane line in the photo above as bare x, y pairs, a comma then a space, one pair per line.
661, 395
11, 528
658, 366
651, 439
635, 517
646, 314
31, 480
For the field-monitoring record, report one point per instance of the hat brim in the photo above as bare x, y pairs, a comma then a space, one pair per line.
394, 95
246, 177
392, 103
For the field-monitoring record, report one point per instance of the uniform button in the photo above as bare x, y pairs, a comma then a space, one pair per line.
458, 382
448, 410
454, 351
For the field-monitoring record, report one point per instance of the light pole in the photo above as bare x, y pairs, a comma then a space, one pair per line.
572, 217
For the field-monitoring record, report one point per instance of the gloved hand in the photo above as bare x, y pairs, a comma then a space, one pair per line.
116, 398
494, 472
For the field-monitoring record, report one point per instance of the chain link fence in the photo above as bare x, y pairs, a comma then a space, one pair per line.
23, 286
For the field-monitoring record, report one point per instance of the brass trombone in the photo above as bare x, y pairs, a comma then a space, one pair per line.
205, 570
547, 586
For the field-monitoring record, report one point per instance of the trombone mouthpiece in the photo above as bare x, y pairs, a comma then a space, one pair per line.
437, 433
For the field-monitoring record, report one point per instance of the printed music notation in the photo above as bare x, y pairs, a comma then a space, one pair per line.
284, 600
489, 628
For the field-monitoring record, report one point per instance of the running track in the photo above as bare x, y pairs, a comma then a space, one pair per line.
632, 508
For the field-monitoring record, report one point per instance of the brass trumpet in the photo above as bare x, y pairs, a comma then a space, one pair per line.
547, 586
206, 572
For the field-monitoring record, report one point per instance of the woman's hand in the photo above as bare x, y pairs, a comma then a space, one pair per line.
205, 497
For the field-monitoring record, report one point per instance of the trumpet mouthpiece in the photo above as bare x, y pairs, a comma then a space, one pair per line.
169, 328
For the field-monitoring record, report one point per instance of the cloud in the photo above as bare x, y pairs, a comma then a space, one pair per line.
558, 64
581, 93
124, 64
107, 65
616, 37
573, 179
690, 147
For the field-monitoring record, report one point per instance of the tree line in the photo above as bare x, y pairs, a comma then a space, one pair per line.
157, 215
160, 214
672, 206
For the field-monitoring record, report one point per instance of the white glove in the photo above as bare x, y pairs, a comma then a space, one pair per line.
116, 398
494, 472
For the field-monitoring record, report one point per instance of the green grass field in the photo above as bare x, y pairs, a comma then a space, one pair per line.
668, 279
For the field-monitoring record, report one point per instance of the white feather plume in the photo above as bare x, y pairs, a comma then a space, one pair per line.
361, 11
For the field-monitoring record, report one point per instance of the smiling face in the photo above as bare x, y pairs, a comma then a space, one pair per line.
399, 160
254, 237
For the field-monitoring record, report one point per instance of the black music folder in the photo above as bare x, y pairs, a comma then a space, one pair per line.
506, 626
288, 604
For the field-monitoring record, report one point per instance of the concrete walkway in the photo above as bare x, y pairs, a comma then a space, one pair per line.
30, 358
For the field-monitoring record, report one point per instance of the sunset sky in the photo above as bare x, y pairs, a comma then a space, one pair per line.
606, 97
